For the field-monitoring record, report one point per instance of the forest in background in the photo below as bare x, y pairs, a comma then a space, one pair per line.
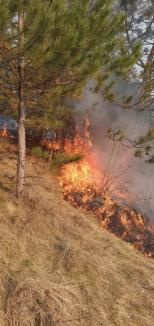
50, 49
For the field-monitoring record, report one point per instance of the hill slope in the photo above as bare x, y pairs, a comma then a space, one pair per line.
58, 267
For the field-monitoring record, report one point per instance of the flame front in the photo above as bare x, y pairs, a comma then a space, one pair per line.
79, 176
86, 173
86, 185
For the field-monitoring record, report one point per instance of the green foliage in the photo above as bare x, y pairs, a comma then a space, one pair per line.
148, 137
145, 144
148, 149
115, 135
138, 153
64, 45
127, 100
59, 158
64, 158
39, 152
139, 32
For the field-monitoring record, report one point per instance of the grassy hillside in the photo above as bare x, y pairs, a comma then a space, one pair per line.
58, 266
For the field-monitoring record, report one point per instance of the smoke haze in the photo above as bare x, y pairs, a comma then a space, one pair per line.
136, 176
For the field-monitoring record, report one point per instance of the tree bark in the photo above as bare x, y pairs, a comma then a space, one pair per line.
50, 158
21, 106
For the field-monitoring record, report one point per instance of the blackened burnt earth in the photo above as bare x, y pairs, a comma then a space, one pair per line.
124, 222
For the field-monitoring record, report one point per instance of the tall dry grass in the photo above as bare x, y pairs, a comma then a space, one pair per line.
58, 266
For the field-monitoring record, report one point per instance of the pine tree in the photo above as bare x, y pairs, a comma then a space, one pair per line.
53, 47
139, 22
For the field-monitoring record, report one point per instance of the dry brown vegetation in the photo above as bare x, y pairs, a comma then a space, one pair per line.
58, 266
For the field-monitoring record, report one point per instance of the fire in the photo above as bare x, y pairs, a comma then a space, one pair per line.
85, 174
79, 176
50, 144
81, 144
85, 185
4, 132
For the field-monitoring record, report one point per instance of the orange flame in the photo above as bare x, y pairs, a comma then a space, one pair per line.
85, 173
82, 184
50, 144
80, 176
4, 132
79, 145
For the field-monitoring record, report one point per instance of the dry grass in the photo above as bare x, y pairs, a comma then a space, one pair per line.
58, 267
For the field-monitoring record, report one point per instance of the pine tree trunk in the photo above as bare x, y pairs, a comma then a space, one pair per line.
21, 107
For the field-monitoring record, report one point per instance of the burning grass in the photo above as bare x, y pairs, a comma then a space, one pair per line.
81, 191
57, 266
86, 185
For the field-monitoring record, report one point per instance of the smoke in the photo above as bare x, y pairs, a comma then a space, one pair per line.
134, 176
